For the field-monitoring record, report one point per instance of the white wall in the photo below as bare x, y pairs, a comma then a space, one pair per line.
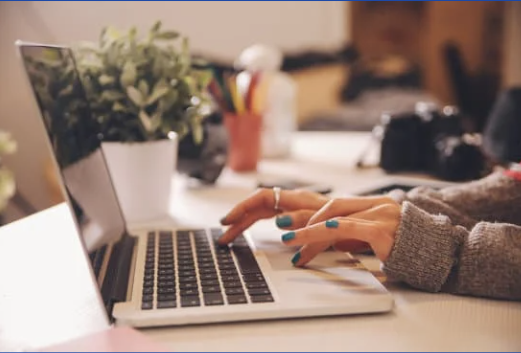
220, 28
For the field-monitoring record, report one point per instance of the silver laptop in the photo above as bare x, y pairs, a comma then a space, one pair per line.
177, 276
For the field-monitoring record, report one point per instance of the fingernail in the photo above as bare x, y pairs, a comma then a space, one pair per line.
332, 223
223, 220
295, 258
284, 221
288, 236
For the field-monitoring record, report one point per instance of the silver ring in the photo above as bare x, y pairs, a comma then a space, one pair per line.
276, 193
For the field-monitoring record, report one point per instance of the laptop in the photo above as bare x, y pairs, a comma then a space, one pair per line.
177, 276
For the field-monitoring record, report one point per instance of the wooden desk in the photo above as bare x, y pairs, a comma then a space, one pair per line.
420, 321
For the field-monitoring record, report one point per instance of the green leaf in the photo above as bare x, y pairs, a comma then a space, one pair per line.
143, 87
105, 80
197, 131
118, 107
135, 96
157, 93
167, 35
128, 75
111, 95
156, 27
145, 121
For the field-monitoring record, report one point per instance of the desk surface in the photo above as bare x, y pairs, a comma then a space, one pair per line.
420, 321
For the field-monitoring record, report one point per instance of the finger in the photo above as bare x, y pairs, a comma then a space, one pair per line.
348, 206
294, 220
331, 231
290, 200
238, 228
318, 237
310, 251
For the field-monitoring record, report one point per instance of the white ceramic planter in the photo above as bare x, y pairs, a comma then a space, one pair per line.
142, 173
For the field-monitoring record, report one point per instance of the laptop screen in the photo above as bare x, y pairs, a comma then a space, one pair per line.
75, 139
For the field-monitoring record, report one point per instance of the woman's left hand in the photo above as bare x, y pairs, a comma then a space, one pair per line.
336, 225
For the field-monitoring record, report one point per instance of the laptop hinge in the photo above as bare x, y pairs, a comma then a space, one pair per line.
115, 285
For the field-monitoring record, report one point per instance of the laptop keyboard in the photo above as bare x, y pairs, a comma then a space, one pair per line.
189, 269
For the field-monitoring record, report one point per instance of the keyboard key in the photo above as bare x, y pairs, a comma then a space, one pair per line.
147, 305
149, 265
148, 277
207, 271
227, 266
166, 290
208, 276
207, 265
186, 273
209, 282
237, 299
149, 272
188, 279
188, 285
164, 284
256, 285
262, 299
166, 297
165, 278
147, 298
259, 291
147, 284
185, 268
166, 272
190, 301
148, 290
255, 277
230, 278
232, 284
201, 260
233, 291
211, 289
185, 262
188, 292
167, 304
213, 299
229, 272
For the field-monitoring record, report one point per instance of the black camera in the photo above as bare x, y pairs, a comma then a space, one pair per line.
430, 140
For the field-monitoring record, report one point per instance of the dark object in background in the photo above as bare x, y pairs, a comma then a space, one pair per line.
431, 141
205, 161
475, 94
375, 74
502, 134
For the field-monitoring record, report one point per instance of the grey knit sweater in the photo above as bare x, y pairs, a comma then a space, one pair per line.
463, 240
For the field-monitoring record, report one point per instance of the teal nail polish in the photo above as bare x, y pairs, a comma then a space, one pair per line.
295, 258
288, 236
332, 223
284, 221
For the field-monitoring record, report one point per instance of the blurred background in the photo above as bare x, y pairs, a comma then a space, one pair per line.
350, 60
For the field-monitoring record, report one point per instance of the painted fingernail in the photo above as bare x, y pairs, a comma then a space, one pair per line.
223, 220
295, 258
332, 223
284, 221
288, 236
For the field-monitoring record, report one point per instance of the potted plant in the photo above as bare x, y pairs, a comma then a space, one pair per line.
7, 183
146, 95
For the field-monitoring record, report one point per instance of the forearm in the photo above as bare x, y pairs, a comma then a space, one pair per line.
489, 199
432, 254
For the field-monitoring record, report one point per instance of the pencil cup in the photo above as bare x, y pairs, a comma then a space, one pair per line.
244, 142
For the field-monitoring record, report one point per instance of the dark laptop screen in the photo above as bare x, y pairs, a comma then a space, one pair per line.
76, 143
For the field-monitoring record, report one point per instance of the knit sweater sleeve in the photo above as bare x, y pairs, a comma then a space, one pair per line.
495, 198
433, 254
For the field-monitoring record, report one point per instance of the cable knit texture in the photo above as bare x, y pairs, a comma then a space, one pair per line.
464, 239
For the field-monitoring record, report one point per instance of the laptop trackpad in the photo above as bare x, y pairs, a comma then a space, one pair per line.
279, 256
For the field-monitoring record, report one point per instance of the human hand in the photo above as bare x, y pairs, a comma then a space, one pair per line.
296, 207
348, 224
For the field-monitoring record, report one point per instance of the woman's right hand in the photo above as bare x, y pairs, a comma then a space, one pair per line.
296, 207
